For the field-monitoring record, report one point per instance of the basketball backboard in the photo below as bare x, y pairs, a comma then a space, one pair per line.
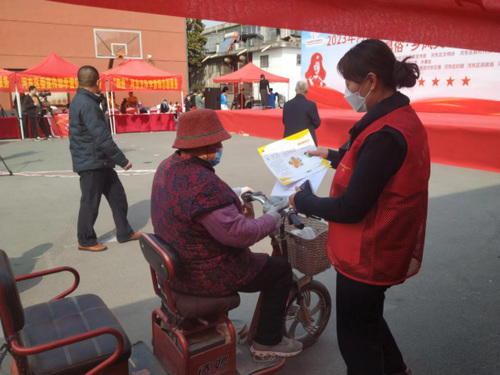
110, 44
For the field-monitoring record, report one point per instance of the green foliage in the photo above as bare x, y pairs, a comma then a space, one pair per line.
197, 86
195, 43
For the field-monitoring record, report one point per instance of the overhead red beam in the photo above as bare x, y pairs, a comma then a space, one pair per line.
469, 24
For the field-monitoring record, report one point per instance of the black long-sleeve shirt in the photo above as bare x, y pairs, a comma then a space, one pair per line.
378, 159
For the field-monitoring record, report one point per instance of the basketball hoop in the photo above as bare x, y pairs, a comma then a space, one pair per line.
120, 55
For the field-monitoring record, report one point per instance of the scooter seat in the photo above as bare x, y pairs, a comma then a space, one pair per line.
208, 308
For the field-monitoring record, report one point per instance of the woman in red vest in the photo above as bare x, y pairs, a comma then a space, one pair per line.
377, 208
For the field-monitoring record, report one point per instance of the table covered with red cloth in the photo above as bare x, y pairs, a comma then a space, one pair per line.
462, 140
9, 128
60, 127
144, 122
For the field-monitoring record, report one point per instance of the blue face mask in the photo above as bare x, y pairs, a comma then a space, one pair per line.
216, 160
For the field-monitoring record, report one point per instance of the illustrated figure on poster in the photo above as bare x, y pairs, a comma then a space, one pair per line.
316, 74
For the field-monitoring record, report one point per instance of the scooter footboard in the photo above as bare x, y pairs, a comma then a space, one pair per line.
210, 350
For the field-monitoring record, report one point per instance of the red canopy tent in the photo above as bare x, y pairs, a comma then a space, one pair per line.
138, 75
52, 73
470, 24
249, 73
7, 81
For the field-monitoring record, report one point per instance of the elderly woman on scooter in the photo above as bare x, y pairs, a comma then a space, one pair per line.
202, 218
377, 208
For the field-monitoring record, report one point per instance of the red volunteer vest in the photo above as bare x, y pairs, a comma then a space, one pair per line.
386, 247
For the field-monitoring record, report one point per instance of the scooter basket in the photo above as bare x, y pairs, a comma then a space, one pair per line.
308, 256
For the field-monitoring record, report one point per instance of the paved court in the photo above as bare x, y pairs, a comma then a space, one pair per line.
446, 319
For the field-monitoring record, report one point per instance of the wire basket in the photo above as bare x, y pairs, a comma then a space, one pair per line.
308, 256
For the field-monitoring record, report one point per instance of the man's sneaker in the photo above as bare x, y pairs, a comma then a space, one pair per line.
286, 348
37, 139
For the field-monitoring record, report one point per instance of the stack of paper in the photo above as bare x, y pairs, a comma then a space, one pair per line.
289, 160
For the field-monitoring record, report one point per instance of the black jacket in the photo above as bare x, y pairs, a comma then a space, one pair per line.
300, 114
90, 141
164, 107
28, 106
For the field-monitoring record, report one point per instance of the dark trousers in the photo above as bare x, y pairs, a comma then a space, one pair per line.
41, 124
264, 97
33, 125
34, 122
275, 282
364, 338
93, 185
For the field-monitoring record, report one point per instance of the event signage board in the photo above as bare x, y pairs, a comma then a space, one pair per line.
5, 83
166, 84
451, 76
49, 83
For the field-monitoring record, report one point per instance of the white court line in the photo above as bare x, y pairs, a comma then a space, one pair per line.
71, 174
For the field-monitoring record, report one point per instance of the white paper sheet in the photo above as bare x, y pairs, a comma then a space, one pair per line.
286, 190
289, 160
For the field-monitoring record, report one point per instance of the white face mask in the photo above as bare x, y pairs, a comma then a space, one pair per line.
357, 102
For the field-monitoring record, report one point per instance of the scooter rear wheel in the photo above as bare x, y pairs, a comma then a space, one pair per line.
307, 323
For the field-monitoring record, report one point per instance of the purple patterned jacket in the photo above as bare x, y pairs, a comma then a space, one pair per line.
184, 189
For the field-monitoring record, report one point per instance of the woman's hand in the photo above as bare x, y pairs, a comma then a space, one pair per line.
321, 152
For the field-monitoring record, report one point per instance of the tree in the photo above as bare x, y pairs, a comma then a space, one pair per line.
195, 43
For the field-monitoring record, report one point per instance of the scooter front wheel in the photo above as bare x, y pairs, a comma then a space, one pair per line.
307, 314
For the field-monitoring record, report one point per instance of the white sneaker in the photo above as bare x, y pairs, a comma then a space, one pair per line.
286, 348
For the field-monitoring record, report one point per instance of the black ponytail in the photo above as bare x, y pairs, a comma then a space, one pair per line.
405, 74
375, 56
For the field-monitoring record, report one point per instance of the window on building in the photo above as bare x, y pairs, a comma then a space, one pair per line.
264, 61
299, 59
217, 47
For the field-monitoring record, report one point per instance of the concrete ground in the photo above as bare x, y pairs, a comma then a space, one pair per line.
446, 319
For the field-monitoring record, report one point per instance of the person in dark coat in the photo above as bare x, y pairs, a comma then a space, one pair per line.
32, 112
164, 108
300, 113
94, 155
264, 91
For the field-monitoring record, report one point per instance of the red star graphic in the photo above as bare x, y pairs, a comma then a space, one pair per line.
421, 82
450, 81
435, 82
465, 81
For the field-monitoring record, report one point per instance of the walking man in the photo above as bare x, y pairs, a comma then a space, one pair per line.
94, 155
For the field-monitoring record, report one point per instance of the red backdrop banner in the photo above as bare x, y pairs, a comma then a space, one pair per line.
470, 24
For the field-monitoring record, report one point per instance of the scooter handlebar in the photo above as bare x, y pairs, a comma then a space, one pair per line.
293, 219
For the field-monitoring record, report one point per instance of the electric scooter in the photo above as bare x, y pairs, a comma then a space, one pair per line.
191, 335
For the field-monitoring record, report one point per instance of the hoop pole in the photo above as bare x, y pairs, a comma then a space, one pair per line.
19, 113
109, 107
182, 102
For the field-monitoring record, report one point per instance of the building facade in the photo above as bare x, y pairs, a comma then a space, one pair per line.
231, 46
31, 29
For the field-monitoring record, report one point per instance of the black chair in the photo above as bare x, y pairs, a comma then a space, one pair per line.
64, 336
